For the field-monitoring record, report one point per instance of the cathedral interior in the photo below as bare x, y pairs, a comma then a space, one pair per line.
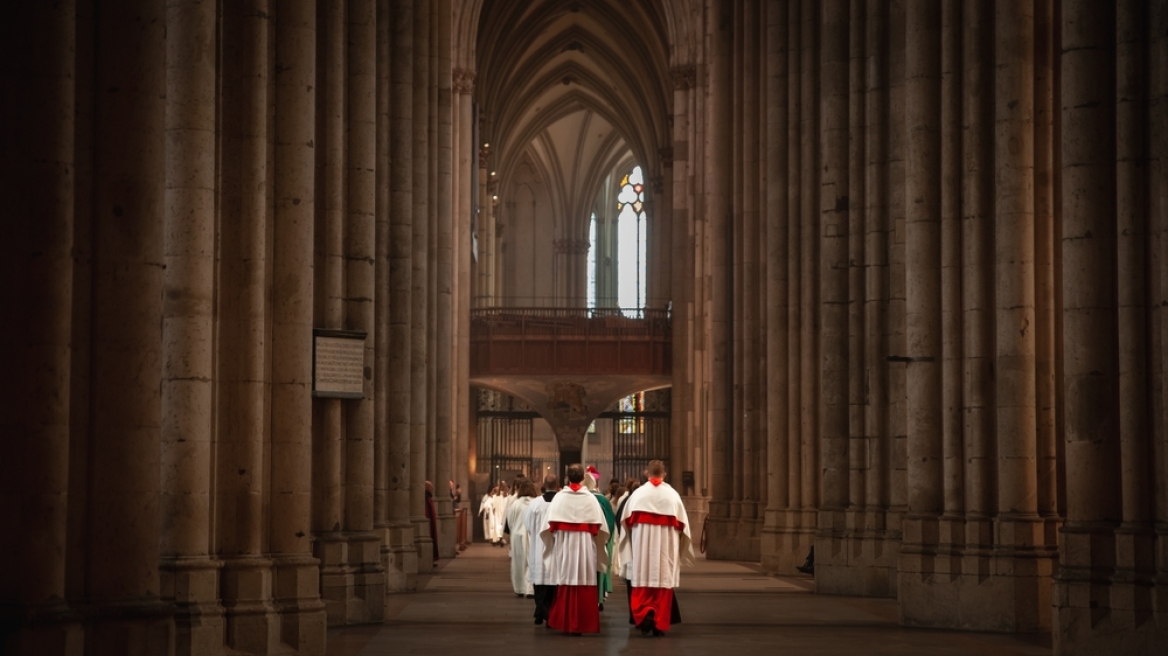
886, 279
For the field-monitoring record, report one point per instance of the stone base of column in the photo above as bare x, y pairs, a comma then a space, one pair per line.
368, 605
698, 509
733, 532
50, 630
786, 539
423, 545
302, 613
1004, 588
446, 546
1098, 610
193, 584
129, 628
336, 576
856, 553
251, 621
399, 557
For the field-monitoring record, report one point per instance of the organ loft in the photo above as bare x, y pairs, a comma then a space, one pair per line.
887, 278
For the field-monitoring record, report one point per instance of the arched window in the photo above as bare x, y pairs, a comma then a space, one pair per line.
630, 240
594, 253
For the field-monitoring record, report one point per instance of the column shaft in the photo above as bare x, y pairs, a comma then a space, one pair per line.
857, 448
923, 257
420, 272
832, 269
454, 439
37, 175
794, 257
1014, 371
809, 196
444, 422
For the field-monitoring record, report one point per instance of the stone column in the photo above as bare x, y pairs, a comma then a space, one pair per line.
297, 575
718, 207
360, 263
1157, 85
395, 576
189, 575
876, 260
775, 552
857, 449
36, 288
446, 375
1135, 539
923, 307
753, 286
809, 262
977, 276
245, 584
125, 457
1090, 320
1018, 524
831, 209
952, 450
420, 266
800, 538
328, 509
454, 440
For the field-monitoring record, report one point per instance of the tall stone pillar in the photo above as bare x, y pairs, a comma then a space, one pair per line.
454, 440
245, 583
297, 591
447, 251
420, 276
125, 445
876, 266
809, 317
718, 207
751, 268
1023, 559
189, 576
923, 309
395, 576
36, 287
1091, 377
775, 552
831, 272
360, 263
977, 281
328, 506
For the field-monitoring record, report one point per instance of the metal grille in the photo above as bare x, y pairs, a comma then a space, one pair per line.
639, 434
506, 433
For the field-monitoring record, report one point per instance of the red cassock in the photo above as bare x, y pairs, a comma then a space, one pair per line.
574, 535
654, 546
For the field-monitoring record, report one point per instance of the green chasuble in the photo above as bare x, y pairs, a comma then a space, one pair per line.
604, 581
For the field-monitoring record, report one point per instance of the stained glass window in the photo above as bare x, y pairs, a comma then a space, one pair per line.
630, 240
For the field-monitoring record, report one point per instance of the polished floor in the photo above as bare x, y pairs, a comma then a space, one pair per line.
468, 606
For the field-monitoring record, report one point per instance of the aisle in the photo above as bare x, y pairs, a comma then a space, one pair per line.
469, 604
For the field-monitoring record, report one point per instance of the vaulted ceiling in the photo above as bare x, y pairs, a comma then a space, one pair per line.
575, 87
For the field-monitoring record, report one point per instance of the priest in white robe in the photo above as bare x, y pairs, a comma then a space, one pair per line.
519, 539
487, 512
574, 536
533, 520
654, 544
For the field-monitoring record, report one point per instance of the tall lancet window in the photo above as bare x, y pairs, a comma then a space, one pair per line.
630, 240
593, 253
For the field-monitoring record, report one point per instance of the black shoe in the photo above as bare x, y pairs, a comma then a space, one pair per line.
538, 621
531, 596
806, 569
602, 605
657, 633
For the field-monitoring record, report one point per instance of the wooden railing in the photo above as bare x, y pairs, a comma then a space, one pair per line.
539, 341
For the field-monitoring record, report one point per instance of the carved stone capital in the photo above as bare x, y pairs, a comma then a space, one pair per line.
666, 155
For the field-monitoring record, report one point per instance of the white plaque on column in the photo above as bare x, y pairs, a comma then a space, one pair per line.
338, 364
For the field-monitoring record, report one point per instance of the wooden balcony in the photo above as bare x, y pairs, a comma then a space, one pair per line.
569, 342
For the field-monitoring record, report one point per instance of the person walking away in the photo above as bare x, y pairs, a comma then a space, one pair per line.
575, 533
654, 545
533, 519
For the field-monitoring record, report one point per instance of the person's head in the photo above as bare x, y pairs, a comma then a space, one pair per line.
631, 484
613, 488
576, 473
589, 483
527, 488
656, 469
429, 487
551, 483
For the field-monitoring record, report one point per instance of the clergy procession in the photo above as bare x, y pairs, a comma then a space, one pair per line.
567, 543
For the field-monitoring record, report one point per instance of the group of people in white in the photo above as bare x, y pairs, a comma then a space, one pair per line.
566, 543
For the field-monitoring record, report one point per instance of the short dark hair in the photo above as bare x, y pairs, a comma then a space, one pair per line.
575, 473
551, 482
656, 469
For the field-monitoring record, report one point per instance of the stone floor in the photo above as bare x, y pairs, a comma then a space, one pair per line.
468, 604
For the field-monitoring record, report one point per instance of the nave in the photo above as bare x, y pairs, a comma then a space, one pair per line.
468, 606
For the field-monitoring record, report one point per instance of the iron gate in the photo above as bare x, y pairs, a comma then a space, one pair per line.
506, 432
640, 432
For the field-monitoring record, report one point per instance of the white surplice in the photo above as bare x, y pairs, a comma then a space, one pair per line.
574, 557
533, 519
519, 545
651, 554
